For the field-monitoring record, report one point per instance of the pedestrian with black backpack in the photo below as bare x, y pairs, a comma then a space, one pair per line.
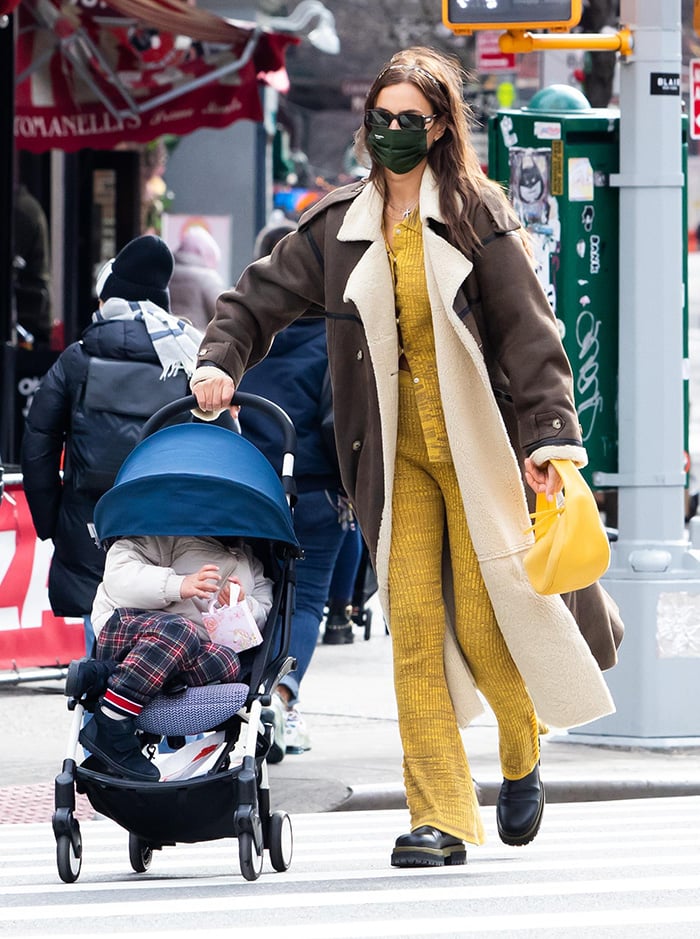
87, 414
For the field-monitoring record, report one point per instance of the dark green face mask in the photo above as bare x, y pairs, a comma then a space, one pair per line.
398, 150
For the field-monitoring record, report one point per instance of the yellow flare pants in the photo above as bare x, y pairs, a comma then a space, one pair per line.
426, 498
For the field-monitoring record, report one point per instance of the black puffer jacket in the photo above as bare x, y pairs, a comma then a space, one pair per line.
94, 400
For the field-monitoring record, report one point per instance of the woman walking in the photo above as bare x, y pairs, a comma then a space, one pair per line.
449, 382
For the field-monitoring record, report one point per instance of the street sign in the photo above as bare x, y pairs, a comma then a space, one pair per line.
510, 14
489, 57
694, 73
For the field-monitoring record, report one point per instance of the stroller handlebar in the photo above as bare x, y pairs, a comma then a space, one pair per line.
274, 411
182, 405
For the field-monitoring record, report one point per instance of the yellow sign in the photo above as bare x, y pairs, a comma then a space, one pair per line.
464, 16
505, 94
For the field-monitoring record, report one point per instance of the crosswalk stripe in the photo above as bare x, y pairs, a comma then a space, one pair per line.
335, 899
621, 818
489, 867
520, 924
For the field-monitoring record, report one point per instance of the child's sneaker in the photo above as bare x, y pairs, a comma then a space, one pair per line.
296, 736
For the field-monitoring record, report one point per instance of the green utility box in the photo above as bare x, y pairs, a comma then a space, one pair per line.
556, 157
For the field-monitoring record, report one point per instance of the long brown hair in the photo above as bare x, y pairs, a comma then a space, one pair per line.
452, 158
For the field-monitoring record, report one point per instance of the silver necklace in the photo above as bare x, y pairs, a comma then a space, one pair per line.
404, 212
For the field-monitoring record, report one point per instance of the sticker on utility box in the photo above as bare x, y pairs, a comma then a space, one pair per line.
678, 625
510, 138
664, 83
547, 130
580, 179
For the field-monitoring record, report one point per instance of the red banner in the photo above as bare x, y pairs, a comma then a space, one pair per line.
90, 76
30, 635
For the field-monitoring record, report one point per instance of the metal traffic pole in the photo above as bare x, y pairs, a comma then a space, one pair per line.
655, 571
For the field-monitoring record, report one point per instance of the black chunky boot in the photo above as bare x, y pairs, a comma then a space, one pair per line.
519, 809
114, 742
427, 847
338, 629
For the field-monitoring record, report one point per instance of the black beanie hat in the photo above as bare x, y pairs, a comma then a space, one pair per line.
141, 271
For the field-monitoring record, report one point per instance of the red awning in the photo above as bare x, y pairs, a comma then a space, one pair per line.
98, 76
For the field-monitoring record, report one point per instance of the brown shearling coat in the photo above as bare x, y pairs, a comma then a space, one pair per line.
504, 377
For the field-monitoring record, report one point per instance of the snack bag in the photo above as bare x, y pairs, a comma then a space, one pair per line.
232, 625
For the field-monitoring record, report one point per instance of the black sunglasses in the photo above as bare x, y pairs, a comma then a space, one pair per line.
380, 117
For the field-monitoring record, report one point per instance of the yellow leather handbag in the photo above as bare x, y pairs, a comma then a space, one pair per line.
571, 549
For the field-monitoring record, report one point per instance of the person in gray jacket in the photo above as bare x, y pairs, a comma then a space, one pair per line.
196, 282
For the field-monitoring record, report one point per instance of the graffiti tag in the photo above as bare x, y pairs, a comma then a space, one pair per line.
587, 383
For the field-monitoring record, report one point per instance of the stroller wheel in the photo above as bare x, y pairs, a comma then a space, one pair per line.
251, 862
69, 858
140, 853
281, 841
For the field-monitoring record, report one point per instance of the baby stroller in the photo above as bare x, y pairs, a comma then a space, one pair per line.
198, 479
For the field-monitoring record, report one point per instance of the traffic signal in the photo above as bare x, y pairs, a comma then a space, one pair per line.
466, 15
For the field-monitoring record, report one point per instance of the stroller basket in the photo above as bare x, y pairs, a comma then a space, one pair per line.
166, 813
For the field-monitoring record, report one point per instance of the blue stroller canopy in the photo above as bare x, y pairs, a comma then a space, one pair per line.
196, 479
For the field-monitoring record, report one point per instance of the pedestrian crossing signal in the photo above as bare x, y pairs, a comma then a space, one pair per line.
467, 15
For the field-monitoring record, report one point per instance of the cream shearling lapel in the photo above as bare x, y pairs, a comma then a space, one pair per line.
370, 287
489, 475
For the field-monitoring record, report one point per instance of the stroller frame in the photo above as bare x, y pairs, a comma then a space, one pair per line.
232, 799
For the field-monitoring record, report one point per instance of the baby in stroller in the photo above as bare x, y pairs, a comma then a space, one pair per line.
147, 617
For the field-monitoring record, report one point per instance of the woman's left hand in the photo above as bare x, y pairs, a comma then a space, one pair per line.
543, 478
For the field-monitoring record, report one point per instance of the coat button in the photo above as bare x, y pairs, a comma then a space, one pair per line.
357, 444
556, 423
359, 355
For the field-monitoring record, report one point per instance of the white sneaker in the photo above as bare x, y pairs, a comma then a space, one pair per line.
296, 736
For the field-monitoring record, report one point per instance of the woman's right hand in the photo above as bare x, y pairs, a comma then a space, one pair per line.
214, 393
